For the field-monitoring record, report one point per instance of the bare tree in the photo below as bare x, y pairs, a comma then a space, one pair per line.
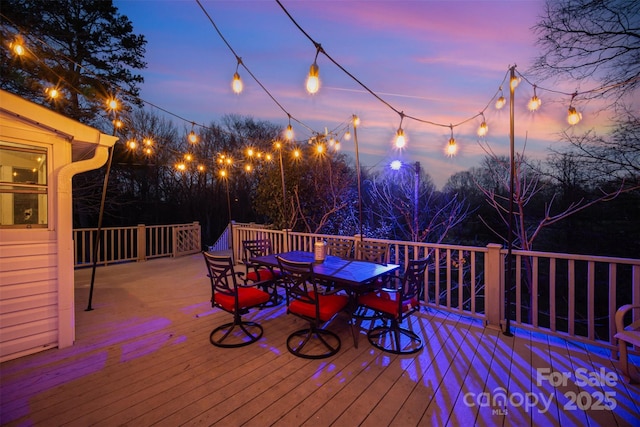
395, 198
591, 40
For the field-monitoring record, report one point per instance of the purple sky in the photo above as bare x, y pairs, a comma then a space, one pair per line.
440, 61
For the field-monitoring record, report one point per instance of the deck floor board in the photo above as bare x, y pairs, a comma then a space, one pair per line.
142, 357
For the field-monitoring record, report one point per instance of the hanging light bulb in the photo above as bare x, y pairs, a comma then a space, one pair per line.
313, 81
500, 102
401, 140
193, 138
132, 144
356, 121
336, 147
573, 116
452, 147
112, 104
483, 129
223, 173
236, 84
17, 46
347, 135
534, 102
52, 92
288, 133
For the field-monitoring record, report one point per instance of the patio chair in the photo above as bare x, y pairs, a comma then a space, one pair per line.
233, 298
379, 254
306, 302
393, 306
627, 335
339, 247
372, 251
260, 275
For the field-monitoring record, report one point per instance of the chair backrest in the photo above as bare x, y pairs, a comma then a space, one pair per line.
412, 280
339, 247
373, 252
222, 274
299, 281
254, 248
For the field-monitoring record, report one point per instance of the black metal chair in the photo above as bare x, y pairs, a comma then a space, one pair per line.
339, 247
372, 251
393, 306
260, 275
305, 301
376, 252
233, 298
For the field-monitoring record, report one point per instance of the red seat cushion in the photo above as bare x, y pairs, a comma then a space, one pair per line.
247, 297
386, 302
329, 306
263, 274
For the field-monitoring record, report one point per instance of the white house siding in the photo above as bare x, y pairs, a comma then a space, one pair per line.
36, 265
28, 298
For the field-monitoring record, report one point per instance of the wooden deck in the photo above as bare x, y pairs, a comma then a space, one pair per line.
143, 357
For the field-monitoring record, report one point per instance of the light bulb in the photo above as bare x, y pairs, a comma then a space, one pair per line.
148, 142
483, 129
17, 47
192, 137
400, 138
132, 144
396, 165
515, 81
347, 136
500, 102
52, 92
336, 147
573, 116
320, 148
201, 168
296, 153
288, 134
181, 166
356, 121
534, 103
313, 81
112, 104
236, 84
452, 147
223, 173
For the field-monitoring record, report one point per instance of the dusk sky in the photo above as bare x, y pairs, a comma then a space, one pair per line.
439, 61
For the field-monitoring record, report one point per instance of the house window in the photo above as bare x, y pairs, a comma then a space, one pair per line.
23, 186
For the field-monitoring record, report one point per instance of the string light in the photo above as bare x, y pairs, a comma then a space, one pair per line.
288, 133
313, 81
112, 104
452, 147
17, 46
347, 135
401, 140
52, 92
193, 138
483, 129
514, 82
573, 116
236, 84
500, 102
534, 102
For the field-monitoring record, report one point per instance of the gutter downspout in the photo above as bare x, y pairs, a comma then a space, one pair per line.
64, 228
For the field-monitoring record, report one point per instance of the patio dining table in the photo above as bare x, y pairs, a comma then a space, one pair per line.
354, 276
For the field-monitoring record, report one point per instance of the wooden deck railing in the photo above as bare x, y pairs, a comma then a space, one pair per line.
136, 243
572, 296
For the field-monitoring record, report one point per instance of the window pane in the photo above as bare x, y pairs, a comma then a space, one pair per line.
23, 185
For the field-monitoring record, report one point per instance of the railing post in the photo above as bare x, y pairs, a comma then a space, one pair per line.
494, 297
142, 243
286, 240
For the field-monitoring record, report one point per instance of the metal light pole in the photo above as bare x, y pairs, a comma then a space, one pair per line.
356, 120
512, 172
416, 193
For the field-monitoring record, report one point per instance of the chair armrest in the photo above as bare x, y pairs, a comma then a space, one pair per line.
620, 313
